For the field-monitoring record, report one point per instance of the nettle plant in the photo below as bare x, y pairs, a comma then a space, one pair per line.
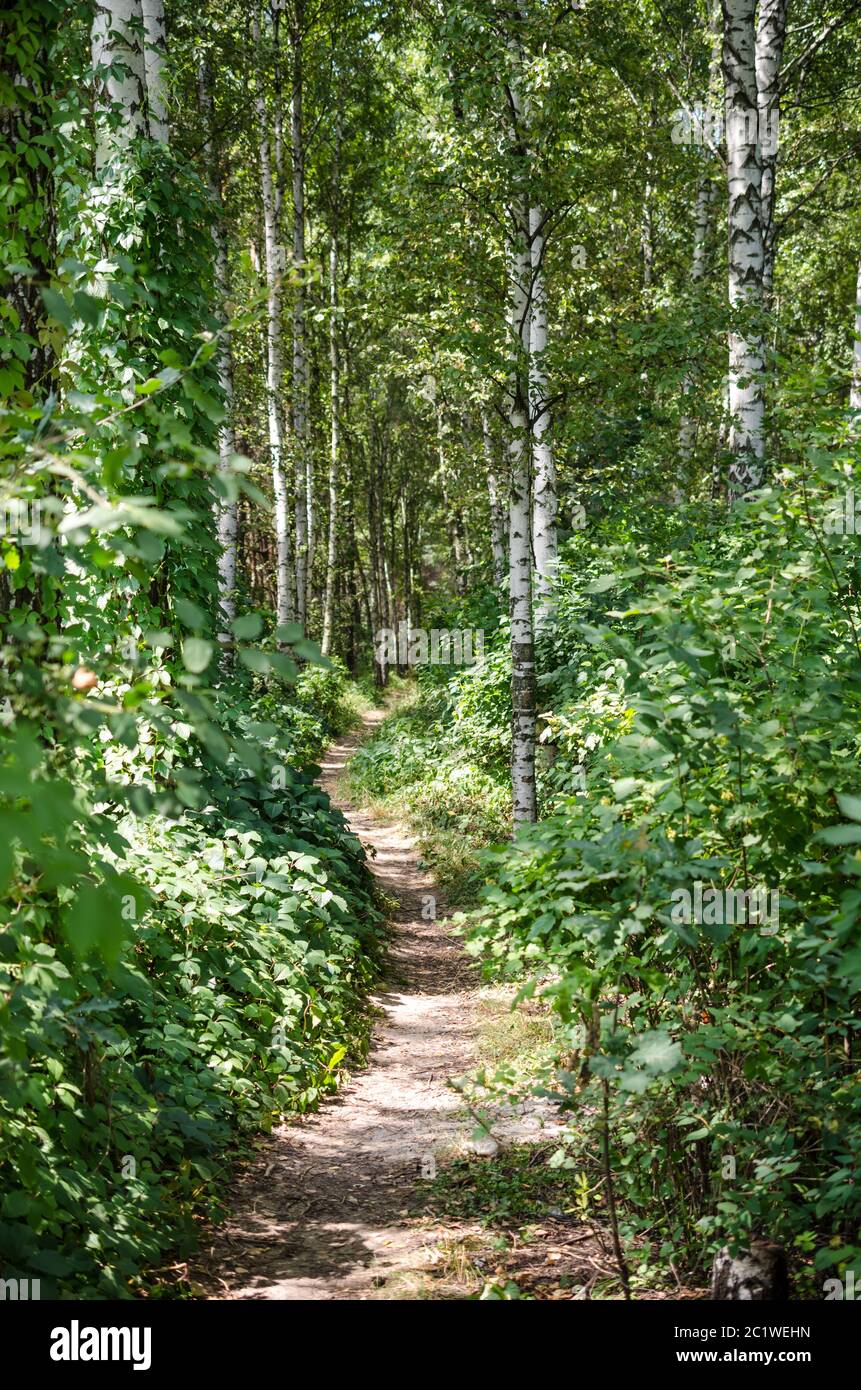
724, 1054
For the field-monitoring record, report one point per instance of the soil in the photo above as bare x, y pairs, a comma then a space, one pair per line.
329, 1210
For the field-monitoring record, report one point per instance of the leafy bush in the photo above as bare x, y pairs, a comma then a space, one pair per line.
711, 695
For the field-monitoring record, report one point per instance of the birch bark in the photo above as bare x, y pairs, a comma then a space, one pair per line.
519, 268
770, 38
284, 579
118, 62
302, 461
544, 500
225, 511
154, 51
334, 457
498, 528
855, 393
746, 246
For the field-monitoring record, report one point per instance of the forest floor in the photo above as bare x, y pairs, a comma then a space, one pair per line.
337, 1205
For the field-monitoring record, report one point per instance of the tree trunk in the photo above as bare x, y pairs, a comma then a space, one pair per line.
455, 523
770, 37
155, 47
302, 460
285, 598
118, 63
855, 392
498, 528
746, 246
524, 807
226, 512
332, 553
544, 501
699, 264
757, 1275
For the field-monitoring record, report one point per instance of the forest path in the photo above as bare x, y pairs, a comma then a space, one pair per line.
329, 1209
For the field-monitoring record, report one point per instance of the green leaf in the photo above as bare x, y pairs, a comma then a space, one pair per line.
93, 922
249, 626
189, 614
58, 307
196, 654
840, 835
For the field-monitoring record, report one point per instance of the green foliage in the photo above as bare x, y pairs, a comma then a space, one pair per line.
711, 694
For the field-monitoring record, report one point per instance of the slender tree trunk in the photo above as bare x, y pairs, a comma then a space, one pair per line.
855, 393
544, 500
302, 460
155, 48
699, 263
524, 806
226, 511
703, 218
498, 528
746, 247
332, 553
770, 38
453, 516
285, 601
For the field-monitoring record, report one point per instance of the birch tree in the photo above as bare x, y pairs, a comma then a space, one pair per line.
855, 392
770, 37
335, 445
118, 63
746, 247
544, 500
154, 49
706, 196
519, 266
225, 510
495, 495
274, 266
302, 461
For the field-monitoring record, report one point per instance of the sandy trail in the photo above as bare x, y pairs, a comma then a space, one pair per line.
329, 1209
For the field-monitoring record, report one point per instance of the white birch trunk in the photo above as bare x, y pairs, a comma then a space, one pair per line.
498, 528
155, 49
699, 264
225, 512
524, 806
118, 62
703, 219
285, 601
334, 458
302, 473
746, 246
544, 500
855, 393
770, 38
